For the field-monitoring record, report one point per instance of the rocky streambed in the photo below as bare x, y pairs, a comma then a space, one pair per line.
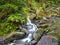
48, 33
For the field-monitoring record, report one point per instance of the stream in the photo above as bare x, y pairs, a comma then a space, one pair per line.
31, 27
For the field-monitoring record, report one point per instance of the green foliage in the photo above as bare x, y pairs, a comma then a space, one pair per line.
52, 2
12, 15
6, 28
42, 5
16, 11
17, 18
10, 6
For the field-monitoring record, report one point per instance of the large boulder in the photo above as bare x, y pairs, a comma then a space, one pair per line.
48, 40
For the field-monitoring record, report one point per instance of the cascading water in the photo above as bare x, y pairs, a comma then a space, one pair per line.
31, 27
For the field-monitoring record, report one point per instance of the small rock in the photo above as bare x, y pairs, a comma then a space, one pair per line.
33, 42
26, 43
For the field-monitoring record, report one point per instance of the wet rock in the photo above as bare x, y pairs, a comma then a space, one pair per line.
12, 44
26, 43
37, 34
1, 40
48, 40
33, 42
13, 36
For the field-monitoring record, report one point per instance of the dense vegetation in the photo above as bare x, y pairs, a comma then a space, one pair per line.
14, 12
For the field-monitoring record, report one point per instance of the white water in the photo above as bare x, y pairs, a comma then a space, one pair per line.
31, 27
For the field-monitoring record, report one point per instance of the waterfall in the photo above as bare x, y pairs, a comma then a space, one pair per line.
31, 27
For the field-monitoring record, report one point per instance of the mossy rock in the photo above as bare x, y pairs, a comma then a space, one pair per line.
37, 34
